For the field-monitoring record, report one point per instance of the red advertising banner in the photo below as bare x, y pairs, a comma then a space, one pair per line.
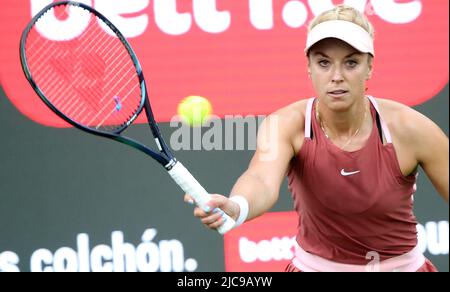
265, 244
245, 56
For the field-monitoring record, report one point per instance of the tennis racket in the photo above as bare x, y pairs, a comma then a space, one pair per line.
86, 72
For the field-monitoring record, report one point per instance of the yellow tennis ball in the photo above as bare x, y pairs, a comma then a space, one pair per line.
194, 110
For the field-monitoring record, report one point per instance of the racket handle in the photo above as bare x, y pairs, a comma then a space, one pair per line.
191, 186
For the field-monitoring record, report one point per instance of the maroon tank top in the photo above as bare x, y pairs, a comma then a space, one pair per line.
352, 203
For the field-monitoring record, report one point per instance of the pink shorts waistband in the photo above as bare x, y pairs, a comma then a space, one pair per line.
408, 262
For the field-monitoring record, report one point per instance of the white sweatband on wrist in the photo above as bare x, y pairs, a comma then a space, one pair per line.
243, 207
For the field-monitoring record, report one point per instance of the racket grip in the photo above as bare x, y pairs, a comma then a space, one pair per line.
191, 186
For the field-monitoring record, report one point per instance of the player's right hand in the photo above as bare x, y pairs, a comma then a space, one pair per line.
213, 218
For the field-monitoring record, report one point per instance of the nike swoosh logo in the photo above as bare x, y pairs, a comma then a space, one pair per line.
344, 173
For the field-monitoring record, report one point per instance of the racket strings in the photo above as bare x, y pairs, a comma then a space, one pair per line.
91, 79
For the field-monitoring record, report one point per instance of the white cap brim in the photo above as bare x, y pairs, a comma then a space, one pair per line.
346, 31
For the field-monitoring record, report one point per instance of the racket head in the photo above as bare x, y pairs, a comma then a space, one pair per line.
85, 71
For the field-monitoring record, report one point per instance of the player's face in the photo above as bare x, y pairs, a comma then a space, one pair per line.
338, 73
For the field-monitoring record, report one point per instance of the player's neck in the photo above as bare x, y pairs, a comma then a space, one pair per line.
342, 124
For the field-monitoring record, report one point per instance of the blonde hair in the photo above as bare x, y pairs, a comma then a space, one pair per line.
344, 12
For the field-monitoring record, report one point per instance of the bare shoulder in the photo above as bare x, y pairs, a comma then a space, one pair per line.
292, 114
418, 141
402, 120
392, 110
412, 130
290, 121
291, 118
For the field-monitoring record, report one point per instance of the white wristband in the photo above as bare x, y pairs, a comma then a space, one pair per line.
243, 206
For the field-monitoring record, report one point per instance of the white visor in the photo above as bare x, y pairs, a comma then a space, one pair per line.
347, 31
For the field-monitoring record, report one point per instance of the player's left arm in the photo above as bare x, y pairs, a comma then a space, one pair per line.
431, 148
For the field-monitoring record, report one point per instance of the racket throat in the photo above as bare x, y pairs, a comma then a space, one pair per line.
171, 164
158, 143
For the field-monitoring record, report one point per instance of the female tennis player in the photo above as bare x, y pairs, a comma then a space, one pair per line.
351, 161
